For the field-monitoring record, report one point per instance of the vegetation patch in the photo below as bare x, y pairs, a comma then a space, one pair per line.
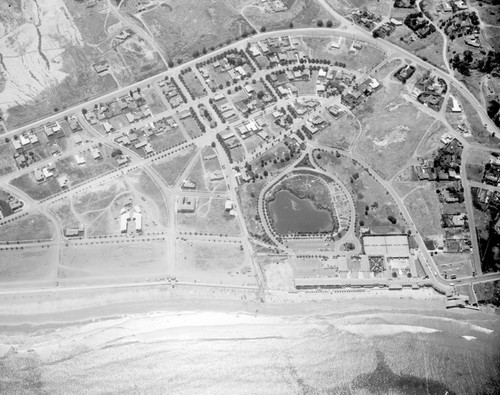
34, 226
172, 166
210, 217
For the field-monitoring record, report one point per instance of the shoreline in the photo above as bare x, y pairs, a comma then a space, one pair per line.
79, 309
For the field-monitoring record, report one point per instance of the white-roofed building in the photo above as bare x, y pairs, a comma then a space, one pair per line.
138, 221
395, 246
80, 159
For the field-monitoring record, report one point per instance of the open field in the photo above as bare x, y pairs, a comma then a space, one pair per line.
199, 176
211, 24
392, 130
28, 265
7, 162
381, 8
429, 48
248, 195
432, 139
373, 203
386, 69
80, 84
90, 21
303, 13
28, 185
46, 61
209, 217
65, 214
424, 208
145, 186
473, 121
341, 133
32, 227
92, 168
475, 164
362, 60
459, 265
213, 262
140, 58
194, 85
122, 262
166, 140
172, 167
153, 99
191, 127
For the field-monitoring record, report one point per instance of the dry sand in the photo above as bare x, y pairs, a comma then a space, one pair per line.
221, 344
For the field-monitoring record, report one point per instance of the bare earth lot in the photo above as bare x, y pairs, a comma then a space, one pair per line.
31, 264
424, 208
122, 261
392, 129
218, 263
210, 217
303, 13
210, 24
172, 166
32, 227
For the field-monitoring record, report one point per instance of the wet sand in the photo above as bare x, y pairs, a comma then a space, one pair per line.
295, 343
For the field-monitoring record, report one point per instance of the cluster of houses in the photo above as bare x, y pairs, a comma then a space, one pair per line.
314, 125
224, 108
486, 196
234, 64
444, 169
329, 80
138, 139
429, 91
44, 173
255, 100
251, 127
358, 93
452, 6
491, 175
277, 50
133, 106
129, 215
365, 18
171, 92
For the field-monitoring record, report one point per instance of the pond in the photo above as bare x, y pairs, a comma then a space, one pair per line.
291, 214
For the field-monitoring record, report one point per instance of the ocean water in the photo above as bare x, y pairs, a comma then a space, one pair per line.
370, 352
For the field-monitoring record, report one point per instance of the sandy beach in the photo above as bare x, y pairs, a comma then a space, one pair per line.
221, 343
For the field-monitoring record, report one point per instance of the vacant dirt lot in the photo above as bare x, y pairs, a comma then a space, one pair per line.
120, 261
213, 262
392, 130
28, 265
424, 208
172, 166
32, 227
185, 26
210, 217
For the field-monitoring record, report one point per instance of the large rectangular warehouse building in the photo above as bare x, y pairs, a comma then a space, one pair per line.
393, 246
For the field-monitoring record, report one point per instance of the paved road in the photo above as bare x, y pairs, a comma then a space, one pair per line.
348, 30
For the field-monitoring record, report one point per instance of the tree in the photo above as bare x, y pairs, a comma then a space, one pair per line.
329, 23
392, 220
116, 152
263, 29
319, 23
260, 94
213, 144
291, 25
